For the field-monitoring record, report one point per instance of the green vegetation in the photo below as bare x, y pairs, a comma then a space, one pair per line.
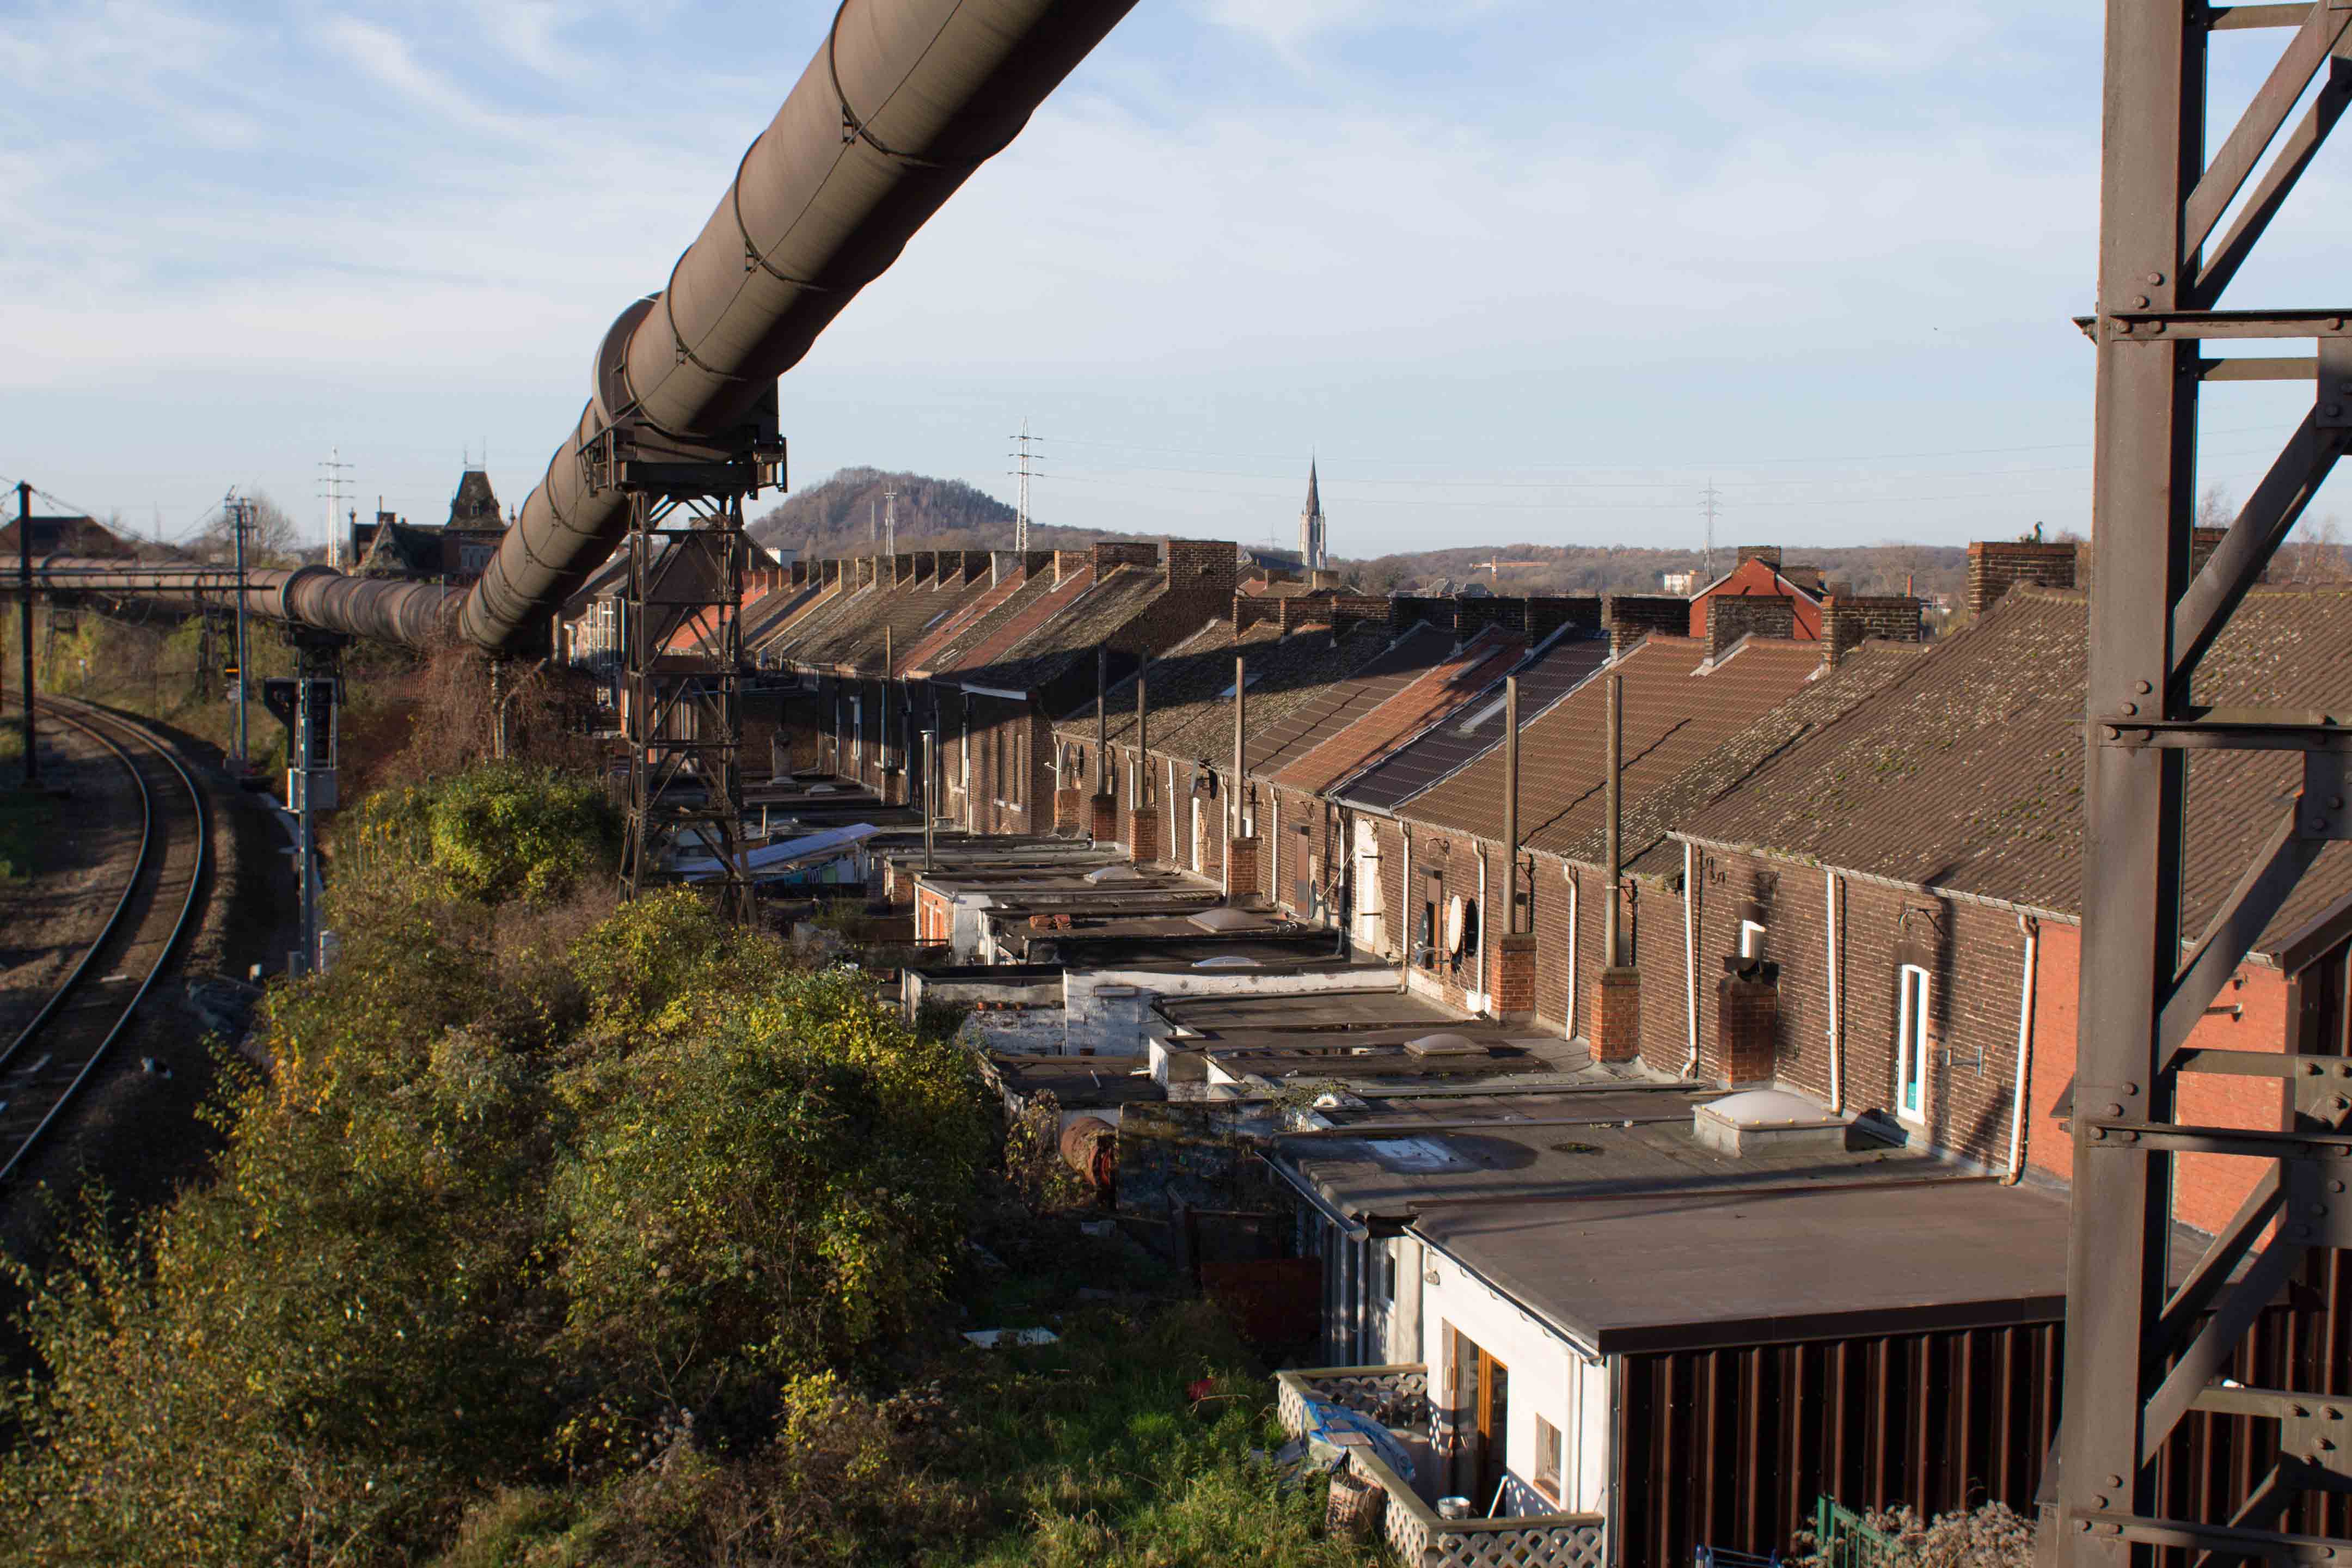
26, 819
561, 1233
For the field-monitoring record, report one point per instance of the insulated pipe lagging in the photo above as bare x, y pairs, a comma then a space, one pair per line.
903, 101
373, 609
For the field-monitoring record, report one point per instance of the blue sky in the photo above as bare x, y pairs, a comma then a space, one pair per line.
1521, 272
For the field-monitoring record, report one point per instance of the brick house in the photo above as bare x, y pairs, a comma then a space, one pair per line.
1759, 574
1911, 876
980, 647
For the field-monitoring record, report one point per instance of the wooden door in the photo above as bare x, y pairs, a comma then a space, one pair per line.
1482, 1397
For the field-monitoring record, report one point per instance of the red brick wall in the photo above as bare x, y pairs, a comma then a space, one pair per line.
1974, 956
2207, 1188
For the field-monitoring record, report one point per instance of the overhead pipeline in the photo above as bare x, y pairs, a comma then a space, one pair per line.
377, 609
904, 100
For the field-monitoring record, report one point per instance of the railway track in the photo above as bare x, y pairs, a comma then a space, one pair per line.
57, 1056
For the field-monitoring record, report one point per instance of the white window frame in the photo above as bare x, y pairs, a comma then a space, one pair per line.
1914, 991
1751, 939
857, 732
1548, 1481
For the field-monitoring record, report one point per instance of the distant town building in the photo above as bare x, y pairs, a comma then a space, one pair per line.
1682, 583
458, 552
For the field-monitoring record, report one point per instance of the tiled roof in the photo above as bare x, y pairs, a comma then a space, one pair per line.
1031, 652
1340, 701
1191, 686
978, 600
1677, 710
1651, 816
1966, 773
1002, 608
1371, 733
1554, 670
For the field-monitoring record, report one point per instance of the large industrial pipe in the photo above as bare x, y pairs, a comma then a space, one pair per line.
375, 608
904, 100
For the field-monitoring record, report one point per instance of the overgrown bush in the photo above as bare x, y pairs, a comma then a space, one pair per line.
1993, 1535
563, 1233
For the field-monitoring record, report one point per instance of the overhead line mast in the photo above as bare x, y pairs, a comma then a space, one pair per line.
2142, 1354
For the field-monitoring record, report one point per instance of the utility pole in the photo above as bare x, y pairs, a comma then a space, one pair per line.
890, 522
1021, 510
1709, 506
240, 514
24, 621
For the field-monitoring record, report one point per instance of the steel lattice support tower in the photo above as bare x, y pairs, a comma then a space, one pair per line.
682, 646
2142, 1353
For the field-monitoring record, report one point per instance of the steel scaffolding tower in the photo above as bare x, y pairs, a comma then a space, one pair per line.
2141, 1351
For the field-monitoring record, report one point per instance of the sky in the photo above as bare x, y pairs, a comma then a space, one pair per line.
1509, 272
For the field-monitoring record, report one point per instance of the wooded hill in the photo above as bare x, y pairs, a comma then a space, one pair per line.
842, 516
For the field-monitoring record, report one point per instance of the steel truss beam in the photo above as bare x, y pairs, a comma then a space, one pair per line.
2140, 1356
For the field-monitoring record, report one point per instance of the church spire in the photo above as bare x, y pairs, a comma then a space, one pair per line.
1310, 524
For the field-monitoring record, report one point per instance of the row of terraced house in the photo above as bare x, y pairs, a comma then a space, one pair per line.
1634, 1250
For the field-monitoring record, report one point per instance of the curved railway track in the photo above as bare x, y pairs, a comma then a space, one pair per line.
54, 1056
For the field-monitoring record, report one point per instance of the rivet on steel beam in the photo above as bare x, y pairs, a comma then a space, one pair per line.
2155, 278
2126, 1135
2114, 1108
2131, 1088
2130, 709
2098, 1134
2333, 411
2139, 301
2142, 687
2083, 1524
2114, 733
2335, 1187
2312, 1070
2342, 1103
2115, 1480
2334, 803
2098, 1502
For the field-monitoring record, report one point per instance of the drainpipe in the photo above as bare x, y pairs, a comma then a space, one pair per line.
1690, 950
882, 743
1486, 909
1511, 812
1404, 921
931, 816
1837, 1001
1102, 719
1568, 1030
1270, 847
1234, 811
1161, 847
2031, 929
1612, 825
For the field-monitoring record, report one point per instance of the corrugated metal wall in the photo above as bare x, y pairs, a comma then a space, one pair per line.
1731, 1447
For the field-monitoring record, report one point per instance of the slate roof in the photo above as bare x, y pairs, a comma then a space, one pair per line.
1678, 710
1555, 669
1966, 773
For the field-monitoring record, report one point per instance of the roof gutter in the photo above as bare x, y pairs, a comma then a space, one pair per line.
972, 690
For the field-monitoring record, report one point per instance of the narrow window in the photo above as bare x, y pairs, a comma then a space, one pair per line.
1751, 939
1911, 1045
1388, 1274
1547, 1458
